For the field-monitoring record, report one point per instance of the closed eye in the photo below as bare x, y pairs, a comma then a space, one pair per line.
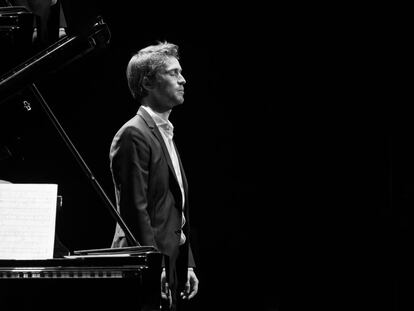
174, 72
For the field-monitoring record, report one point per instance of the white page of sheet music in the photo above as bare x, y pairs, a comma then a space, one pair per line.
27, 220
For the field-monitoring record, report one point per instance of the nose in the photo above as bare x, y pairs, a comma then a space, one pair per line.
181, 79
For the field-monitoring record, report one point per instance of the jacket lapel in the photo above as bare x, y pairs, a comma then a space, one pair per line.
182, 172
151, 124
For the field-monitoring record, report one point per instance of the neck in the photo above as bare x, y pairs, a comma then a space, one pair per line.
163, 113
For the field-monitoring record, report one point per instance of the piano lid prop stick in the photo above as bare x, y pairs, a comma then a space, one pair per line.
84, 166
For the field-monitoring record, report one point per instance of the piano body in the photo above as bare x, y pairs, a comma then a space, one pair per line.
84, 282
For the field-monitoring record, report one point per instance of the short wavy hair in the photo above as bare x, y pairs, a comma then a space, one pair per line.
146, 63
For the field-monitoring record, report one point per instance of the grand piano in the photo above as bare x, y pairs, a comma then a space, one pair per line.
87, 280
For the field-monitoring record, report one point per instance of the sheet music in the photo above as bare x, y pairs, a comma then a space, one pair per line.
27, 220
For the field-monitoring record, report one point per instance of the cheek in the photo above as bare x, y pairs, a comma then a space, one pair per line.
170, 88
166, 87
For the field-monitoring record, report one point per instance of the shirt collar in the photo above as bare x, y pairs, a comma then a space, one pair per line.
159, 120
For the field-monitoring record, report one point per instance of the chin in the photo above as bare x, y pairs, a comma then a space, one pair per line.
180, 101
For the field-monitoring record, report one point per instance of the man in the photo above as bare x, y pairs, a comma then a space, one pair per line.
150, 184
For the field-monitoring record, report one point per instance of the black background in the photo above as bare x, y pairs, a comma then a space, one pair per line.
300, 193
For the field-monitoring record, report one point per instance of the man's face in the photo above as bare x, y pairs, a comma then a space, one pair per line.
168, 88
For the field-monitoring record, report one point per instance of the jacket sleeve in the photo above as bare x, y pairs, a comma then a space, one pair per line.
130, 165
191, 262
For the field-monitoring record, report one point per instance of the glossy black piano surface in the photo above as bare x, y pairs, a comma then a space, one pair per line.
88, 283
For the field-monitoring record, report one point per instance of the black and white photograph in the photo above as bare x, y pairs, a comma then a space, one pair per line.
161, 156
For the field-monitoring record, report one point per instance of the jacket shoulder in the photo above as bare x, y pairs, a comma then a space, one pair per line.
134, 129
135, 125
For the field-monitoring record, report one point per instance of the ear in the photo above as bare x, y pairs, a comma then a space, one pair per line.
147, 84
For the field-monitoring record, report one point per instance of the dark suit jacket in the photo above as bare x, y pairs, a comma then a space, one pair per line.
147, 191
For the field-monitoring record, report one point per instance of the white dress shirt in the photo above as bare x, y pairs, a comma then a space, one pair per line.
167, 131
